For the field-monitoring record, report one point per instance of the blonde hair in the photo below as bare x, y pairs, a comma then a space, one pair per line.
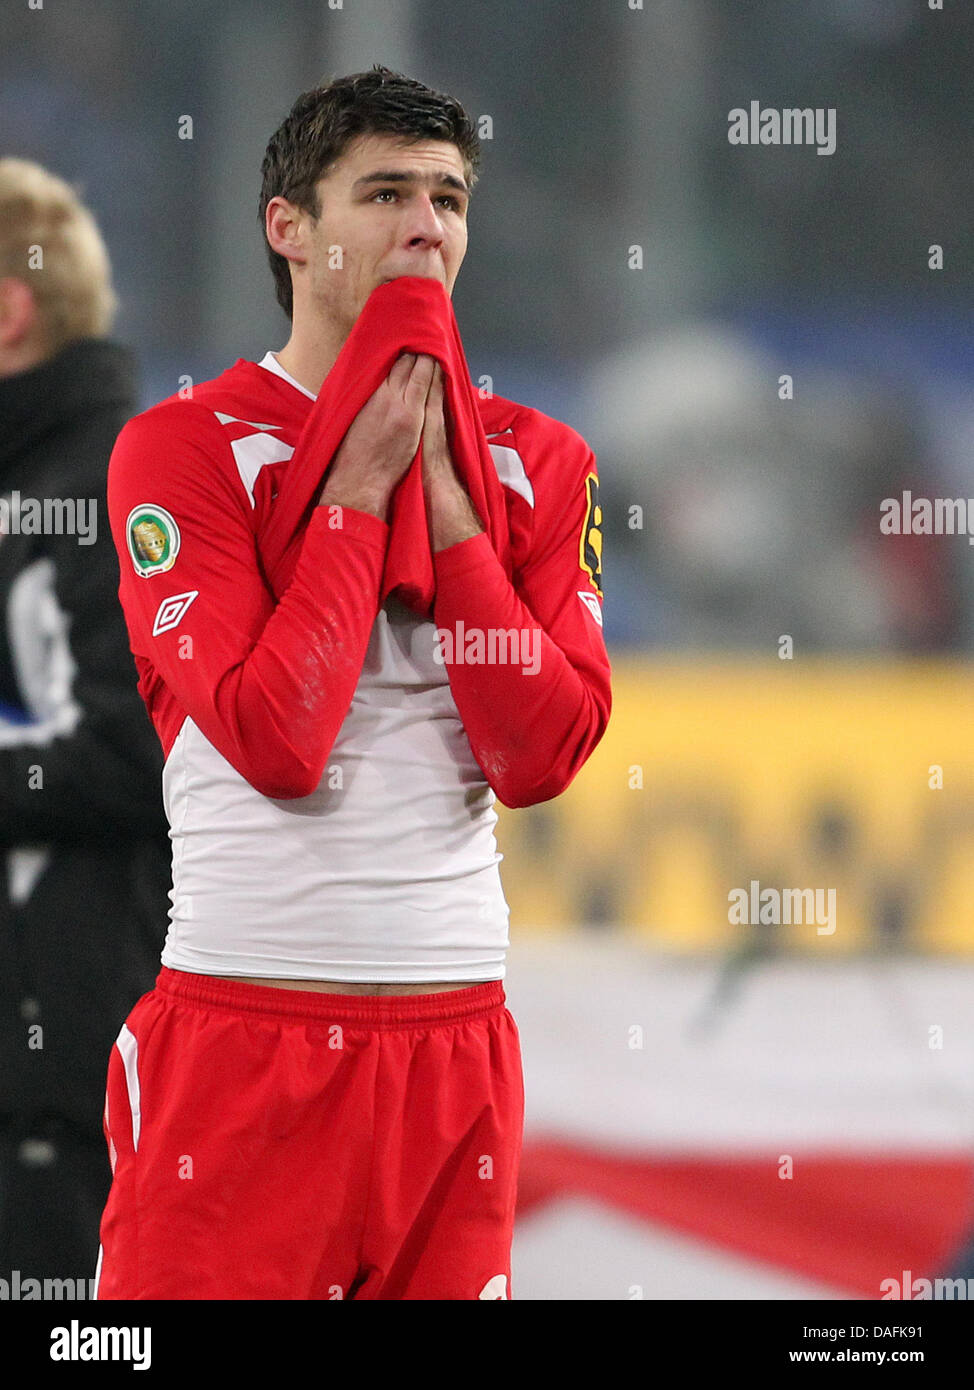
73, 289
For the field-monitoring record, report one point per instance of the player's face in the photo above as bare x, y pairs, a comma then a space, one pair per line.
412, 224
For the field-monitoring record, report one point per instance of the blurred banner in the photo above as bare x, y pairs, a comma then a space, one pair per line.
794, 804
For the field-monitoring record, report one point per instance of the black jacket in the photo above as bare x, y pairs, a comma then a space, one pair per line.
84, 850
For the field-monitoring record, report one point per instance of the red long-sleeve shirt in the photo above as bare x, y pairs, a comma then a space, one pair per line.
269, 683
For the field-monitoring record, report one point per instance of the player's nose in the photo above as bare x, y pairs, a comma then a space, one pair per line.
422, 222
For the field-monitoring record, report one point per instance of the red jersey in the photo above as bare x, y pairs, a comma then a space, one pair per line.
331, 760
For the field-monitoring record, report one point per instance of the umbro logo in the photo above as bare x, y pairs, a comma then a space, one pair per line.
172, 611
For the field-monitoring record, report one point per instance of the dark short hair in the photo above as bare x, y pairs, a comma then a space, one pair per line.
323, 122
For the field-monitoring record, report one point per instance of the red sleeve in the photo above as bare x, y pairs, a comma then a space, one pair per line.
531, 730
267, 683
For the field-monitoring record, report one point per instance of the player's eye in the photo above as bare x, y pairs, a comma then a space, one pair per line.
454, 203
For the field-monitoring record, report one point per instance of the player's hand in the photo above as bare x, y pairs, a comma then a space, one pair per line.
382, 440
437, 459
450, 513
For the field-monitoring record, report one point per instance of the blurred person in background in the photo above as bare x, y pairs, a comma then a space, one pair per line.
86, 853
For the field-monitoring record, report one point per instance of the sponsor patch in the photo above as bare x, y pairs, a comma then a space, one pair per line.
172, 611
592, 604
153, 539
590, 549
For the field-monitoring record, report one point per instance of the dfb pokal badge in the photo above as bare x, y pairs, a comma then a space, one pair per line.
153, 540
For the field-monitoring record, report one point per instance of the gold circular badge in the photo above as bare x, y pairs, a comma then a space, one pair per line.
153, 539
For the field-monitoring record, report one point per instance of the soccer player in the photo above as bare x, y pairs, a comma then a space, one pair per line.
322, 1097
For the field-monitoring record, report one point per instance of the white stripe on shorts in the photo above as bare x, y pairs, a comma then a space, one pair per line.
128, 1046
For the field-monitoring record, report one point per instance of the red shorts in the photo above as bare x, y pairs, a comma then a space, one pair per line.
285, 1144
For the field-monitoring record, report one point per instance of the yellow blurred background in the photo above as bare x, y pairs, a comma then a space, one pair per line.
856, 775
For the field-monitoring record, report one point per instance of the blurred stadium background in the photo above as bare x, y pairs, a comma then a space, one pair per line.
678, 1067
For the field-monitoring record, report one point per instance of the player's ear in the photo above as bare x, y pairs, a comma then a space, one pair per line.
285, 226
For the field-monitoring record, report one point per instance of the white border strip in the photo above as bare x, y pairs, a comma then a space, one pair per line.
128, 1046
